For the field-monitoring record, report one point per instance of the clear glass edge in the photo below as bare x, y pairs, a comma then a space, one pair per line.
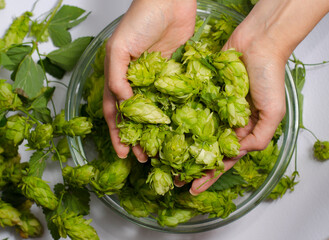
74, 95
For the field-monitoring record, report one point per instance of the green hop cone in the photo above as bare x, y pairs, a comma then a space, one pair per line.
196, 70
15, 130
266, 158
78, 176
185, 118
41, 136
9, 216
174, 150
171, 68
196, 51
171, 217
228, 143
286, 183
17, 31
180, 87
134, 204
191, 170
59, 122
209, 95
112, 178
321, 150
30, 226
234, 110
130, 132
95, 99
77, 126
39, 191
8, 100
206, 126
2, 4
218, 204
223, 29
207, 154
233, 72
144, 70
160, 179
75, 226
63, 150
142, 110
152, 138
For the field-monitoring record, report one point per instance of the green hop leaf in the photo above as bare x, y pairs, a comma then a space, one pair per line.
142, 110
321, 150
39, 191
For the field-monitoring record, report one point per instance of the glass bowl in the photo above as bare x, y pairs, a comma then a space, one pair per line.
244, 204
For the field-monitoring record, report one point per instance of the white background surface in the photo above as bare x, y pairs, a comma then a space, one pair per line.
302, 214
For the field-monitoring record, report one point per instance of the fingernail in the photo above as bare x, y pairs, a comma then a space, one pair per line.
122, 157
193, 193
142, 160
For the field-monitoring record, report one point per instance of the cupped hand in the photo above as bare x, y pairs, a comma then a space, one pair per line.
148, 25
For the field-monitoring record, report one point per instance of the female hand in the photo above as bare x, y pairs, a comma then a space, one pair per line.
152, 25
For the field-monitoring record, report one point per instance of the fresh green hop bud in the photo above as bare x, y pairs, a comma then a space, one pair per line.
171, 68
2, 4
160, 179
75, 226
77, 126
144, 70
179, 86
321, 150
59, 123
171, 217
185, 118
37, 29
235, 110
174, 150
130, 132
15, 130
41, 136
266, 158
78, 176
206, 30
112, 178
196, 51
8, 99
9, 216
134, 204
223, 29
286, 183
233, 72
17, 31
218, 204
207, 154
142, 110
229, 143
63, 150
95, 99
196, 70
30, 226
209, 95
152, 138
39, 191
207, 124
191, 170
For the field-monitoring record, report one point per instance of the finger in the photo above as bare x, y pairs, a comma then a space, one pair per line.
140, 154
110, 112
116, 65
202, 184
